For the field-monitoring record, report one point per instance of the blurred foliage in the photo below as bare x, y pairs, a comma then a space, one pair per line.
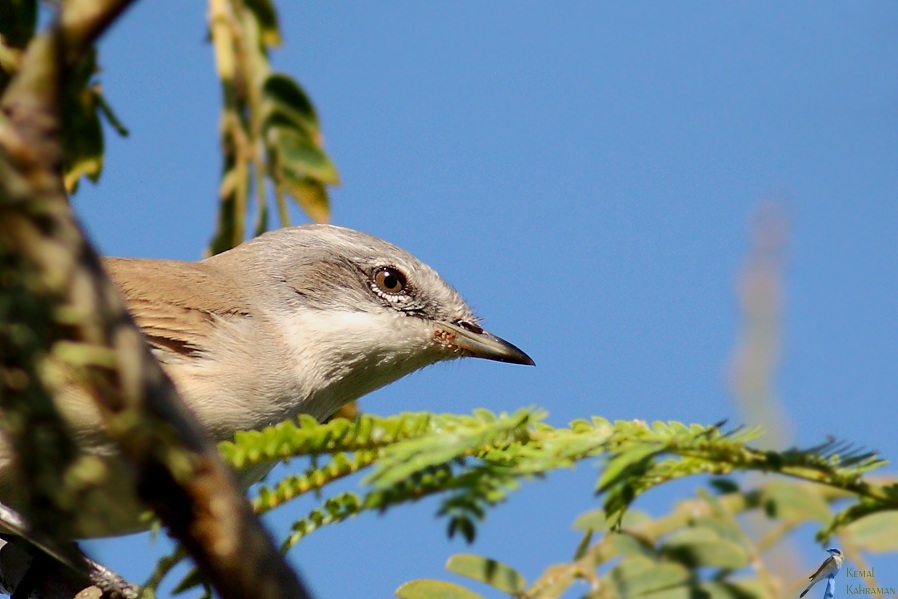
18, 19
270, 132
82, 135
269, 128
83, 103
473, 462
700, 549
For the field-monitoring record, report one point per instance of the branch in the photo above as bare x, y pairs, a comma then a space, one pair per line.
71, 318
82, 23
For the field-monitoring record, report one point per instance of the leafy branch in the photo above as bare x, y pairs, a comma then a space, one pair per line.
82, 101
465, 452
698, 550
474, 461
269, 127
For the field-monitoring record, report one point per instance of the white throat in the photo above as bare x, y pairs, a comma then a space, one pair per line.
339, 356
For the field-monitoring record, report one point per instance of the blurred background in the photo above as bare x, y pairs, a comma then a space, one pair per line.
682, 211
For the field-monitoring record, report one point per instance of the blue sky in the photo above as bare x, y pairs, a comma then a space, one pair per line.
587, 175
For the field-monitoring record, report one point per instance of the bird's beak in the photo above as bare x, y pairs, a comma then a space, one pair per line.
477, 343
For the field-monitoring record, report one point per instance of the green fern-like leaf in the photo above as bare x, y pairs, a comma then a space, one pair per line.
470, 463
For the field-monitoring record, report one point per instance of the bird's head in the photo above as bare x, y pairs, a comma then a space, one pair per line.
360, 312
834, 551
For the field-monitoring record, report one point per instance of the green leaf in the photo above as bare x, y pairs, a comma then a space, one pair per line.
724, 485
82, 135
489, 571
583, 545
700, 546
192, 579
453, 440
108, 113
637, 577
464, 526
298, 157
434, 589
878, 532
735, 589
284, 99
680, 592
311, 196
794, 503
627, 545
267, 20
636, 458
597, 520
727, 529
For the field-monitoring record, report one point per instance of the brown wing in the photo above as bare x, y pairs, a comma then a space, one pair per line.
175, 303
825, 563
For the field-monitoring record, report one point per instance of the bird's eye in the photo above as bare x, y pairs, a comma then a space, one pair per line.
389, 280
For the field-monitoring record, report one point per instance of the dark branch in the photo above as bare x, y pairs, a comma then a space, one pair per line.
52, 273
82, 23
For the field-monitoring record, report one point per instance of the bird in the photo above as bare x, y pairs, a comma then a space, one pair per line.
300, 320
828, 569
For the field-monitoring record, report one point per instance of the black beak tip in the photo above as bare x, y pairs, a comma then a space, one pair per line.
477, 343
517, 356
527, 361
